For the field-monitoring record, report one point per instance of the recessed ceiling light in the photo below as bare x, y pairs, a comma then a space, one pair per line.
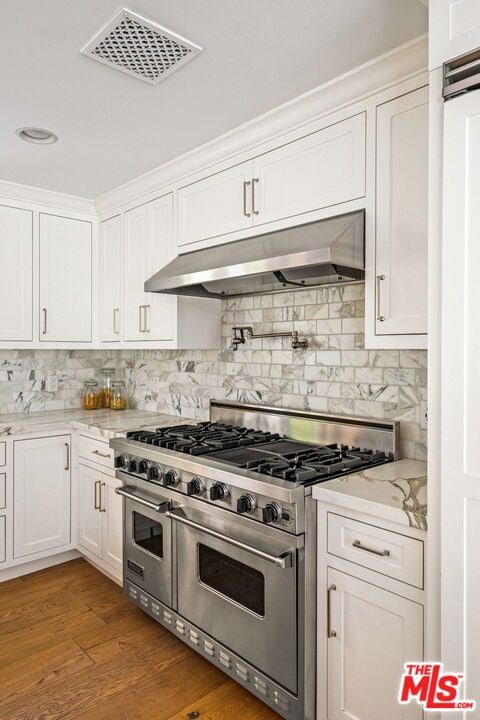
36, 135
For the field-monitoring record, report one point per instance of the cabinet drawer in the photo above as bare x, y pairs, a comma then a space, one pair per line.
386, 552
3, 490
3, 454
95, 451
3, 539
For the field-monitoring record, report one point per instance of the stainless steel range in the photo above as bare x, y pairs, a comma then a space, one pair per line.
220, 535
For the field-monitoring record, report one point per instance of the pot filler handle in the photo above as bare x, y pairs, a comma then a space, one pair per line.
282, 561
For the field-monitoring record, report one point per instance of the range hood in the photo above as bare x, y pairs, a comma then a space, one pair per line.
326, 251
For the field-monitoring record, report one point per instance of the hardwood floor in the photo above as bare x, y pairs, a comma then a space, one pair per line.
71, 646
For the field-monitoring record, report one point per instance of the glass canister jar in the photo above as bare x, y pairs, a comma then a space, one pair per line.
91, 395
118, 395
108, 377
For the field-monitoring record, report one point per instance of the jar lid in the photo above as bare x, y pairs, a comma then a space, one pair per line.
90, 382
118, 383
108, 371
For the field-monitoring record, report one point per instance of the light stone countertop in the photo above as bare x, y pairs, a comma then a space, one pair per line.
104, 424
395, 491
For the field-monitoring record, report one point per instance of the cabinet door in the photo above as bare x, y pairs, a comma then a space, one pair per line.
402, 215
215, 205
65, 279
134, 273
16, 256
322, 169
41, 506
160, 310
460, 427
112, 507
454, 29
376, 633
3, 538
90, 519
110, 279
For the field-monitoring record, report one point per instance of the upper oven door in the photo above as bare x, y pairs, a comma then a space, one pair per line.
239, 585
148, 543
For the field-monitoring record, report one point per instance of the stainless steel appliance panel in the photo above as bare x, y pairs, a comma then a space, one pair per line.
148, 549
241, 596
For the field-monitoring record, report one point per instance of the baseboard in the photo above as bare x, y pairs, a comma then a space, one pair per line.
102, 567
35, 565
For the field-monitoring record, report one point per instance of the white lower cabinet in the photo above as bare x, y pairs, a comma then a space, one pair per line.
41, 506
373, 632
90, 520
112, 538
100, 516
3, 539
370, 613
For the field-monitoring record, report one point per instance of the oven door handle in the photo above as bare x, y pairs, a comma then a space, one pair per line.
282, 561
158, 507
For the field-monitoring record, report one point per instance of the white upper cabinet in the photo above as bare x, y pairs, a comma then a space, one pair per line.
160, 312
65, 279
16, 263
41, 505
148, 246
401, 215
322, 169
454, 29
135, 272
216, 205
110, 274
319, 170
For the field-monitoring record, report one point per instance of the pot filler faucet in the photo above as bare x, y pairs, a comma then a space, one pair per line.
241, 334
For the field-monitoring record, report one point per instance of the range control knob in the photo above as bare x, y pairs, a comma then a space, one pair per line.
245, 504
218, 491
154, 473
121, 461
142, 466
195, 486
170, 478
271, 513
133, 466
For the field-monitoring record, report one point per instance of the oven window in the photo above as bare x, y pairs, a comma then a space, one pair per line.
148, 534
243, 584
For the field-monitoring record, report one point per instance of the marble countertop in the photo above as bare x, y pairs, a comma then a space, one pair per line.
395, 491
102, 423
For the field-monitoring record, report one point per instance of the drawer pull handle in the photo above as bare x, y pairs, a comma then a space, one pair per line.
330, 633
382, 553
97, 452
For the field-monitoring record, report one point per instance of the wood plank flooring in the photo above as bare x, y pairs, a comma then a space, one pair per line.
71, 646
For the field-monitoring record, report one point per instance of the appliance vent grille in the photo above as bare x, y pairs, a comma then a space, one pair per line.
140, 47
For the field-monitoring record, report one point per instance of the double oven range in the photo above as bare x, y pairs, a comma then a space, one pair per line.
220, 535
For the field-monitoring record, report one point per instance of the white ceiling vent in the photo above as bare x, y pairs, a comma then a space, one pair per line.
140, 47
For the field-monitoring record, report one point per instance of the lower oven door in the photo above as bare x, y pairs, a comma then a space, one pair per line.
239, 585
148, 543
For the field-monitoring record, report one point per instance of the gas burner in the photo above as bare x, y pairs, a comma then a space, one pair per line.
262, 452
202, 439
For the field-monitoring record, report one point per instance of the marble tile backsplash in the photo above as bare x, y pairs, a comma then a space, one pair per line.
336, 374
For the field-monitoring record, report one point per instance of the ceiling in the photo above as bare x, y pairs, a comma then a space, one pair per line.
112, 127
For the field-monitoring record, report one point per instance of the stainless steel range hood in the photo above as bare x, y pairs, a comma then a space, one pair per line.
322, 252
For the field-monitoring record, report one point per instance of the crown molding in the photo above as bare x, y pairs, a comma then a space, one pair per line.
356, 85
46, 198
